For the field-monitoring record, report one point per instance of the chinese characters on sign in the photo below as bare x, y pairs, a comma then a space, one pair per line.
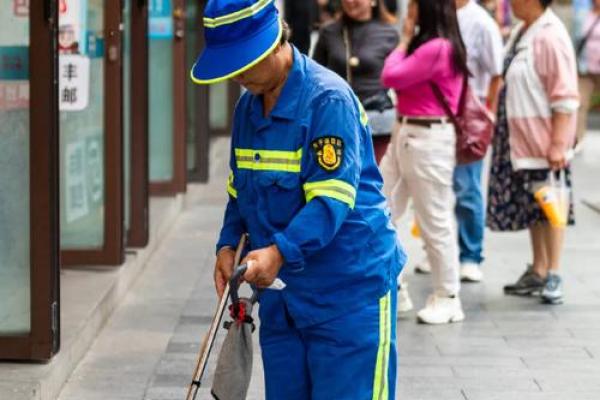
14, 95
74, 82
14, 75
76, 193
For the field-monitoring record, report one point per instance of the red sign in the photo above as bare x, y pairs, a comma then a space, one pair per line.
14, 95
21, 8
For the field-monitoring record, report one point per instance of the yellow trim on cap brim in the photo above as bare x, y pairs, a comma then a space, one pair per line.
241, 70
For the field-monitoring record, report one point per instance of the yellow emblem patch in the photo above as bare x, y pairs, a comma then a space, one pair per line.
329, 152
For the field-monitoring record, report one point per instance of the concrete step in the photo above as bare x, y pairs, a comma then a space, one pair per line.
88, 297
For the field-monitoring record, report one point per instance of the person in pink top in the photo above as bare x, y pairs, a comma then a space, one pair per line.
535, 134
588, 53
420, 160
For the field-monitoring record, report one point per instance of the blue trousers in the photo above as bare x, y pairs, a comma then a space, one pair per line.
469, 211
350, 357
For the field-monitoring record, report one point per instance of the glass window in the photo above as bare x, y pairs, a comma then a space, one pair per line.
15, 294
219, 106
160, 31
81, 99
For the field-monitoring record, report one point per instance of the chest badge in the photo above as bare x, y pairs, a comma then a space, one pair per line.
329, 152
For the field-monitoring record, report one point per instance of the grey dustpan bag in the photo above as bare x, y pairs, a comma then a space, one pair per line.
234, 366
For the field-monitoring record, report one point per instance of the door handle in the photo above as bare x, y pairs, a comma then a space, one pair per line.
179, 22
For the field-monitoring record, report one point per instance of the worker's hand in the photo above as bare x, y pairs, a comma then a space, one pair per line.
223, 269
263, 266
556, 157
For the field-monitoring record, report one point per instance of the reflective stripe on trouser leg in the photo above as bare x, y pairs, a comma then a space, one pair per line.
380, 384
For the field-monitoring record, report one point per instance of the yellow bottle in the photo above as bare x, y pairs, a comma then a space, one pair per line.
415, 231
554, 206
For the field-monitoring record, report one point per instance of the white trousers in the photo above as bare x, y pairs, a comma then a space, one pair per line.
419, 164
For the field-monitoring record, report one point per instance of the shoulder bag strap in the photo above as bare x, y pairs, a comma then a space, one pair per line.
512, 53
587, 36
347, 44
443, 102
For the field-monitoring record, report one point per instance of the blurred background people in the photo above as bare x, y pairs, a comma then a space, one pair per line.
483, 42
588, 54
300, 16
534, 135
420, 161
355, 46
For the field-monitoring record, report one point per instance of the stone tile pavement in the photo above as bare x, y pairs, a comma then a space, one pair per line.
508, 347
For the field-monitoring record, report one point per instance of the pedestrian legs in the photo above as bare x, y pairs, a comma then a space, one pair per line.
587, 85
469, 211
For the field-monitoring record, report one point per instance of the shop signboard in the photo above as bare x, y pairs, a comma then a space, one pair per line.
74, 82
14, 57
160, 21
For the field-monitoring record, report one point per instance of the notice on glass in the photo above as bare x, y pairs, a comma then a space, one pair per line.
75, 180
160, 19
21, 8
74, 82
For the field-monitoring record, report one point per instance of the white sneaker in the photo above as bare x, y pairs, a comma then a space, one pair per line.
423, 266
405, 304
470, 272
441, 310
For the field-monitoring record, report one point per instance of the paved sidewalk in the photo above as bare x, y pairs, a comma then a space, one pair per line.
508, 348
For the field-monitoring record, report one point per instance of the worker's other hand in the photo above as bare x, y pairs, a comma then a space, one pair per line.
223, 269
263, 266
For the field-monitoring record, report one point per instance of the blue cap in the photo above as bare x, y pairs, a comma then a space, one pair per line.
239, 34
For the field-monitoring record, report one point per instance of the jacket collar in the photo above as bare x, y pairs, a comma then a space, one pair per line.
287, 103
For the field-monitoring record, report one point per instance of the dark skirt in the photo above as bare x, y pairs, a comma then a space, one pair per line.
511, 205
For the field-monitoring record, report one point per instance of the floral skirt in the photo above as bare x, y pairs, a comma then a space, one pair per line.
511, 205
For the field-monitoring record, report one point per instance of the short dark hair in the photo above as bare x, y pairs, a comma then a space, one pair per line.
286, 33
546, 3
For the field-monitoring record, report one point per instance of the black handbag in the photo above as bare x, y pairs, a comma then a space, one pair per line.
378, 102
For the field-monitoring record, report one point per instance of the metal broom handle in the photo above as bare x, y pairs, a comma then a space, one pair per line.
209, 339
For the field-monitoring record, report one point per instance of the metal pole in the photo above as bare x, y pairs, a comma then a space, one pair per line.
209, 338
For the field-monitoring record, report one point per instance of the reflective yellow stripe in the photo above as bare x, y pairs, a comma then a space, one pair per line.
380, 384
333, 188
236, 16
364, 118
230, 186
269, 160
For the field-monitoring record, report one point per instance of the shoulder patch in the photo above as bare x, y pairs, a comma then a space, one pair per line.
329, 152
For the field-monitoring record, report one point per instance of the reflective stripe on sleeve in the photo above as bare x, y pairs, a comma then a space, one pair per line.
269, 160
364, 118
230, 186
333, 188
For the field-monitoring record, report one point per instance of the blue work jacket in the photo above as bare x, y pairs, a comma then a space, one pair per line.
305, 178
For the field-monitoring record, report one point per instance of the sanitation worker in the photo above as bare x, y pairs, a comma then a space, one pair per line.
305, 186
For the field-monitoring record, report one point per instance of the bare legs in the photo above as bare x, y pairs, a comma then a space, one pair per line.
547, 243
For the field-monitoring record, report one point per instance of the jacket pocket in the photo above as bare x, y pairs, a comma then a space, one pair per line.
280, 196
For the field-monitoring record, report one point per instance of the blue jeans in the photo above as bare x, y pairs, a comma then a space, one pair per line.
469, 211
